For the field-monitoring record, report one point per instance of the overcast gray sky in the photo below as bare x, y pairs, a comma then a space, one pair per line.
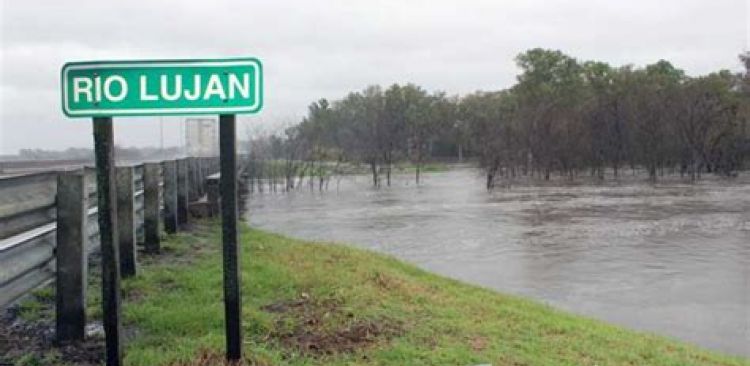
314, 49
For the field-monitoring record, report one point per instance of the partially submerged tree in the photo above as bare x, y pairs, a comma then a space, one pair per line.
563, 116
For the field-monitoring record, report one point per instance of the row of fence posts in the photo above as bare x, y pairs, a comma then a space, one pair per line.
72, 213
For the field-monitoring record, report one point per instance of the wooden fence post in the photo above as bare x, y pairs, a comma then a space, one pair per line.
182, 191
170, 196
126, 220
151, 203
70, 294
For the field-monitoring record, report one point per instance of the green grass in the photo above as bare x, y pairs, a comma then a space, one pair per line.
36, 307
174, 314
175, 305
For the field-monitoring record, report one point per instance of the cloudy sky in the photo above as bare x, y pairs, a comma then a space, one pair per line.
314, 49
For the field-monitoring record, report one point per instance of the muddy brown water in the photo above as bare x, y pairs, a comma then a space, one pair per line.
671, 258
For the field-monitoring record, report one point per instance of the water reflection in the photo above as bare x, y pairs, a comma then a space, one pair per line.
671, 258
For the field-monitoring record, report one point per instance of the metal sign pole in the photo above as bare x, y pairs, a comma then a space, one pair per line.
229, 213
106, 193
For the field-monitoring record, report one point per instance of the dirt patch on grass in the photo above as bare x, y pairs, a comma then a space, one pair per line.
385, 282
133, 295
169, 284
478, 343
214, 358
320, 327
25, 342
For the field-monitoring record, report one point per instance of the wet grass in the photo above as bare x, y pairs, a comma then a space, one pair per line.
38, 306
321, 304
310, 303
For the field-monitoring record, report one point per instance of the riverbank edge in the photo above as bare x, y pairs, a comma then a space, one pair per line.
314, 303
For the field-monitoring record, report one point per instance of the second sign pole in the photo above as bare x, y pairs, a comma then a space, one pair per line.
104, 154
229, 213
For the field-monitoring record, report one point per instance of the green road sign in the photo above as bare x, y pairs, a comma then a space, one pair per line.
162, 87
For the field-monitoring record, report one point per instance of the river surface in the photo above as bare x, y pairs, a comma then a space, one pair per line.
672, 259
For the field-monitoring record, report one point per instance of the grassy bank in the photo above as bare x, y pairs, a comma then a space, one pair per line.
322, 304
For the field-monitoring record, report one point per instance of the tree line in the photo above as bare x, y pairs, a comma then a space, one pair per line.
563, 117
374, 128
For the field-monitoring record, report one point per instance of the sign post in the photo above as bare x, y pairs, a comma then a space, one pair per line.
228, 189
104, 89
106, 195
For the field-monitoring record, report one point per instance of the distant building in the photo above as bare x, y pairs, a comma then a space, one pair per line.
201, 137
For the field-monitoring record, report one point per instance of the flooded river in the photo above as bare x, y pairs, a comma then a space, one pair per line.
673, 259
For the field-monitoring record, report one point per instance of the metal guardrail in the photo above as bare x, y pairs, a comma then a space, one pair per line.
27, 258
28, 224
27, 249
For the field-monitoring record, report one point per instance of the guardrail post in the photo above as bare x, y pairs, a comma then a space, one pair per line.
182, 191
204, 173
70, 294
151, 173
212, 189
126, 220
170, 196
193, 179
